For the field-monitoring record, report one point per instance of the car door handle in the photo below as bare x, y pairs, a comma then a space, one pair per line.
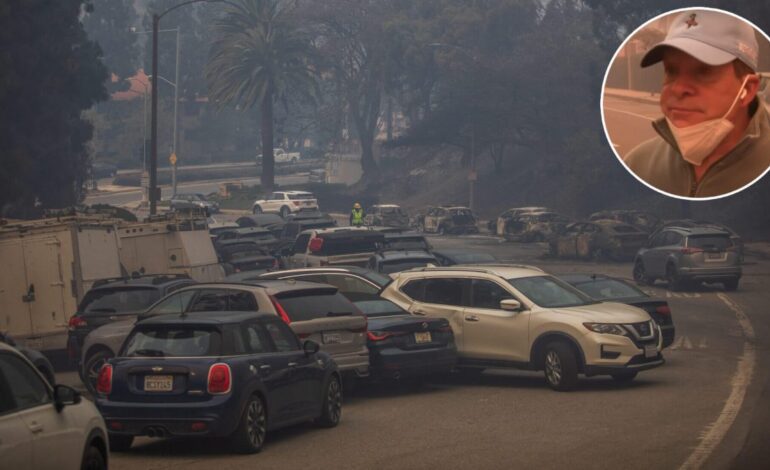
35, 427
471, 318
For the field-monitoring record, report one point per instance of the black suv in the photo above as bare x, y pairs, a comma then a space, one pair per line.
118, 299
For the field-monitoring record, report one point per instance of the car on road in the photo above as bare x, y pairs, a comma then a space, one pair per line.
445, 220
285, 203
613, 289
449, 257
333, 246
46, 426
35, 357
114, 299
534, 226
388, 215
187, 202
644, 221
223, 374
392, 261
685, 256
516, 316
354, 282
693, 223
598, 240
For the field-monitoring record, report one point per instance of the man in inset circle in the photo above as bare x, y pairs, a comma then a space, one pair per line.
714, 137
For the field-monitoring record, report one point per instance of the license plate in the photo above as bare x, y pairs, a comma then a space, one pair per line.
714, 256
332, 338
158, 383
650, 350
422, 337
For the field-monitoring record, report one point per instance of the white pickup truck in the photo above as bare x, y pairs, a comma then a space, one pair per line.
282, 156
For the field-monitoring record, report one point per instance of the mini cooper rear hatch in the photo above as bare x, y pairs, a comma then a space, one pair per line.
236, 374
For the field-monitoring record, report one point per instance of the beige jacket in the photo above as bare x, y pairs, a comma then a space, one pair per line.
659, 163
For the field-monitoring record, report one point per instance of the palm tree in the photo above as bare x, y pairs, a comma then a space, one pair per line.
260, 54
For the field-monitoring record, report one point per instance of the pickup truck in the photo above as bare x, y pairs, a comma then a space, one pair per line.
282, 156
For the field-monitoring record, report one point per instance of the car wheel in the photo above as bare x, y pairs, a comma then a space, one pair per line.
731, 285
285, 212
624, 377
256, 209
672, 277
93, 365
640, 274
250, 434
331, 412
120, 443
560, 367
93, 459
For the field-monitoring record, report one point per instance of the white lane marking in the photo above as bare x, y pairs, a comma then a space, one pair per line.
715, 432
687, 343
629, 112
702, 344
677, 343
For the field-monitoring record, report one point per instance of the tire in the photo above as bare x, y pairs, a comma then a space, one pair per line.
331, 410
93, 459
249, 437
92, 366
285, 212
624, 377
672, 277
256, 209
640, 274
560, 366
731, 285
120, 443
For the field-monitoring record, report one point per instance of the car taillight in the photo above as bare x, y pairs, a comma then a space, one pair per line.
104, 382
690, 251
279, 309
316, 244
378, 335
445, 329
296, 203
663, 310
76, 322
219, 381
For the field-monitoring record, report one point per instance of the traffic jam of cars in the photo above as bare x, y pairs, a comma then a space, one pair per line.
307, 308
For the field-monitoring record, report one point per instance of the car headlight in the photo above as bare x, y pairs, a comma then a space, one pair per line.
606, 328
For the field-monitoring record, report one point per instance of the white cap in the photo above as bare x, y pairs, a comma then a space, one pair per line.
712, 37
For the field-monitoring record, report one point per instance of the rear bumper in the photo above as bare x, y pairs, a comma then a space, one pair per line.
356, 362
394, 362
710, 274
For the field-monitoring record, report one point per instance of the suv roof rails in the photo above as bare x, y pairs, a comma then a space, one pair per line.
158, 278
479, 269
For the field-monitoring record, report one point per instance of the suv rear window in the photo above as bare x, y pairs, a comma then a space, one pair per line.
295, 197
719, 242
303, 306
170, 341
119, 300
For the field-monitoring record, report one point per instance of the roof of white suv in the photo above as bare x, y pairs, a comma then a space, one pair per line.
506, 271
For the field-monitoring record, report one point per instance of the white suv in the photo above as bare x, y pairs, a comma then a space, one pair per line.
45, 427
519, 316
285, 203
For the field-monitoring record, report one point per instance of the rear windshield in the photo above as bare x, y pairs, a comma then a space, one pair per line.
300, 196
307, 306
379, 308
608, 289
550, 292
119, 300
347, 246
173, 341
719, 242
415, 243
388, 267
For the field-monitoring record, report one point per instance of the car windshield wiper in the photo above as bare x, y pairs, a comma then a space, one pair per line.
149, 352
338, 314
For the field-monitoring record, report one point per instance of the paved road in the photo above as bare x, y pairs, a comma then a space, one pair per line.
628, 122
696, 411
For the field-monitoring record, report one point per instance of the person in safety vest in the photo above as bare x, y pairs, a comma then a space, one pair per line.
357, 215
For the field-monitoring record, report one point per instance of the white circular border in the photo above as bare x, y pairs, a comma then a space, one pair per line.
604, 86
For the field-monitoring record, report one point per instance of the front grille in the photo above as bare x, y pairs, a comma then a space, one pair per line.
643, 333
643, 329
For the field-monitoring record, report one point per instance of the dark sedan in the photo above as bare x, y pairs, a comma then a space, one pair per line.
234, 374
611, 289
245, 255
405, 345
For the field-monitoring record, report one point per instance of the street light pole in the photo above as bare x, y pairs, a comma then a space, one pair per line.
176, 117
154, 119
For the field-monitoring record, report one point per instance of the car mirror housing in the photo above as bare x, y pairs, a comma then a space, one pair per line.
510, 305
64, 395
310, 347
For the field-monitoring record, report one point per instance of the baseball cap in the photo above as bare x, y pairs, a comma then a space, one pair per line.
712, 37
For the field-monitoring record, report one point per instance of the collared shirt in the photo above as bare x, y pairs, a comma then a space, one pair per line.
659, 162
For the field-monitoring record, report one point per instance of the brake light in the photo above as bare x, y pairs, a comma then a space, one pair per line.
445, 329
690, 251
280, 311
316, 244
296, 203
219, 381
104, 382
663, 310
76, 322
378, 335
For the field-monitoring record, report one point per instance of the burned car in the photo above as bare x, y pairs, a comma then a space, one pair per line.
601, 239
388, 215
642, 220
497, 226
534, 227
448, 220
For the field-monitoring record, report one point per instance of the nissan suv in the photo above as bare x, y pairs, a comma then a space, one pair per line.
687, 255
516, 316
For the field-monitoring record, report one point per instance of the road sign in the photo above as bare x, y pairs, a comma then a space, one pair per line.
172, 159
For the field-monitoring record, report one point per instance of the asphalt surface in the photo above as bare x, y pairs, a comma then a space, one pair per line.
699, 410
628, 121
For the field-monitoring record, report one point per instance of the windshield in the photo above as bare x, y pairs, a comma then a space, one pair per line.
304, 306
549, 292
379, 308
608, 289
295, 197
719, 242
119, 300
179, 341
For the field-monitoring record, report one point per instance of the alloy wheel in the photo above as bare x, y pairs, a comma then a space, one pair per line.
553, 367
334, 400
256, 423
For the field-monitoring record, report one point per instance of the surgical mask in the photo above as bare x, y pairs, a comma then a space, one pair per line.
696, 142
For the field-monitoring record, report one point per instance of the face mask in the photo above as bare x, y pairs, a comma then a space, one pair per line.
696, 142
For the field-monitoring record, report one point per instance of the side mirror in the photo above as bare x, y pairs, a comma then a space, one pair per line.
510, 305
310, 347
64, 395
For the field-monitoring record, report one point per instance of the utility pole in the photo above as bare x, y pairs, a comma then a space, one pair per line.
176, 118
154, 119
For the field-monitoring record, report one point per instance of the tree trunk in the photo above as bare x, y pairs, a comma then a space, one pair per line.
267, 179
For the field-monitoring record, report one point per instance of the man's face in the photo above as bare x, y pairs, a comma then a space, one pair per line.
694, 92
